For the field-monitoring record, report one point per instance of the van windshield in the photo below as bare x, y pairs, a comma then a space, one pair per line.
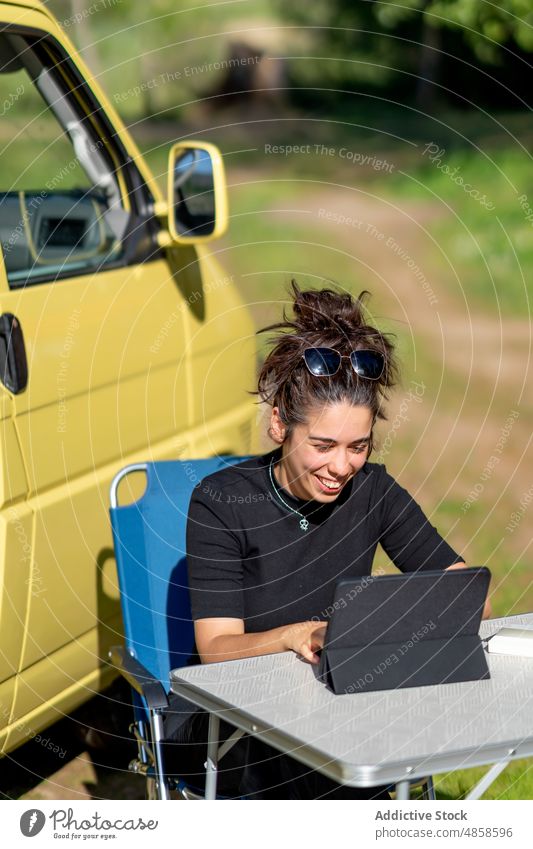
61, 205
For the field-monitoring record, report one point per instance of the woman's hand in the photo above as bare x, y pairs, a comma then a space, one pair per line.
305, 638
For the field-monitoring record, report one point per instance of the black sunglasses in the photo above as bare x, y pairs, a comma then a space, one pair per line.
325, 362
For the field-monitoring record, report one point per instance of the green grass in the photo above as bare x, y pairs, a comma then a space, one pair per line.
515, 782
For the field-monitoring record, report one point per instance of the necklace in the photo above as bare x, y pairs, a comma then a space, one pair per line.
304, 524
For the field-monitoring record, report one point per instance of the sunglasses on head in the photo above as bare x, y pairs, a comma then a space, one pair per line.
325, 362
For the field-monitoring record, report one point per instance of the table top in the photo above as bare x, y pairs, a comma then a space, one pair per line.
363, 739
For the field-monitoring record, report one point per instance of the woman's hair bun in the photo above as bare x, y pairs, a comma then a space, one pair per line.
327, 311
330, 319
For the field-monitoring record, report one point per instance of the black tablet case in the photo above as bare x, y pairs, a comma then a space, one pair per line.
408, 630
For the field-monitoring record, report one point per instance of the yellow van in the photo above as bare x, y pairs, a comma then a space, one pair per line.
121, 339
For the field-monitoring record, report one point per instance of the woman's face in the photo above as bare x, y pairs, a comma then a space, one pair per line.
321, 456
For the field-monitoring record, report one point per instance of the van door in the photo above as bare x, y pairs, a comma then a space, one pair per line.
84, 296
15, 563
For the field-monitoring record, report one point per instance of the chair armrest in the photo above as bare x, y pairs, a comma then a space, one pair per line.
138, 677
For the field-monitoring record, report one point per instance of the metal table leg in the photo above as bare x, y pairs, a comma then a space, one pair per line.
211, 765
486, 781
403, 790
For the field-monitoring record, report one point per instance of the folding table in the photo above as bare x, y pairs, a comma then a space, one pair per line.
370, 739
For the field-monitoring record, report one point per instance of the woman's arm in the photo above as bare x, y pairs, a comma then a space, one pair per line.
224, 639
409, 539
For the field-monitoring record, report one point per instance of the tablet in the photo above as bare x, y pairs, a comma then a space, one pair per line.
410, 629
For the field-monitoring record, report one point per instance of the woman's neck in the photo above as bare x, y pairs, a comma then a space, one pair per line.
282, 479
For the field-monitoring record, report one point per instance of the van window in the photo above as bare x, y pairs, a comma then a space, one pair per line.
64, 208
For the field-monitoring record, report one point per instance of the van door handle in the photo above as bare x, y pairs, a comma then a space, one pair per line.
13, 363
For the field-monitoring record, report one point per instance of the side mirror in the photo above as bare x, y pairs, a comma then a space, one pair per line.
197, 201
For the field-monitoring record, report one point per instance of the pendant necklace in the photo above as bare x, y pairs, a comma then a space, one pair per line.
304, 524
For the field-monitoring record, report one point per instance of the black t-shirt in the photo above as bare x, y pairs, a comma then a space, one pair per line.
249, 559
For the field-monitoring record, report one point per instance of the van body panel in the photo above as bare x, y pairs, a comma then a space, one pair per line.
33, 686
222, 344
7, 690
69, 559
13, 479
16, 547
62, 669
90, 369
231, 427
147, 360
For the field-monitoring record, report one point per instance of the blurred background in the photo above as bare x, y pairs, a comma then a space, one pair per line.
371, 145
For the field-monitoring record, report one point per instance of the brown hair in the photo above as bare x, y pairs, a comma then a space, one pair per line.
323, 318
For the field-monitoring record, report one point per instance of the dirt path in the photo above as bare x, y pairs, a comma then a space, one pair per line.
394, 249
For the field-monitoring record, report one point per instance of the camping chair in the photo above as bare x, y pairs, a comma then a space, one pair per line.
149, 540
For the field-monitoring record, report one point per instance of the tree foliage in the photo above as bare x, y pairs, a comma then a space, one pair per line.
486, 26
418, 49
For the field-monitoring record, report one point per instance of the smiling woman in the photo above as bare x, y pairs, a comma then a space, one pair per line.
263, 572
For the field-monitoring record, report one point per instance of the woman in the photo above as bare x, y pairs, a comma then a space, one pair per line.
268, 539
